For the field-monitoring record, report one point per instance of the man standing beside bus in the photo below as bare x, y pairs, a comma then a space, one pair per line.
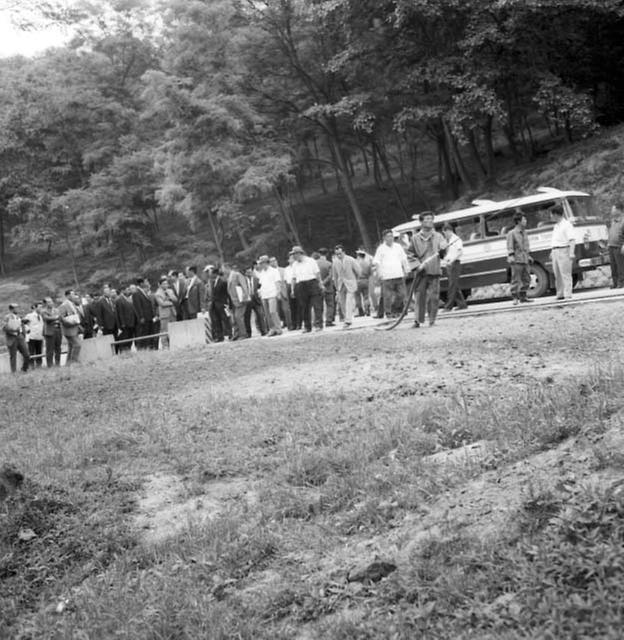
519, 258
563, 242
614, 243
452, 263
424, 252
390, 263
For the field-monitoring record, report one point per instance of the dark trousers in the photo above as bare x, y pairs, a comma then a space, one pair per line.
308, 294
283, 308
144, 329
261, 325
520, 279
427, 297
53, 349
18, 343
127, 333
617, 266
153, 344
362, 298
393, 292
239, 332
221, 326
329, 298
295, 314
454, 296
35, 348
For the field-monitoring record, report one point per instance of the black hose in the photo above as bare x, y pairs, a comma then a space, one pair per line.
410, 294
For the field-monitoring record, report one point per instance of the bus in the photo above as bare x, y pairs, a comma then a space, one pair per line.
483, 229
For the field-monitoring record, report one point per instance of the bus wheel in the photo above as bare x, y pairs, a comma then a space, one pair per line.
539, 281
466, 293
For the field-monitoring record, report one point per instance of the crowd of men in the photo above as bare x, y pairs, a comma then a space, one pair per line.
306, 294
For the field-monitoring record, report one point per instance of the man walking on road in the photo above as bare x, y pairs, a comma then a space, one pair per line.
345, 274
424, 253
519, 259
308, 289
563, 242
615, 243
390, 261
329, 292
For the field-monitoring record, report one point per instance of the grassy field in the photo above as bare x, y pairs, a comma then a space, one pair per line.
463, 481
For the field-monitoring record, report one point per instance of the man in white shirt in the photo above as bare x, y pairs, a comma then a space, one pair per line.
390, 261
270, 288
452, 265
563, 242
283, 298
308, 289
35, 335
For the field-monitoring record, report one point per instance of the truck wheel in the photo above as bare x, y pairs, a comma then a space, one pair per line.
540, 282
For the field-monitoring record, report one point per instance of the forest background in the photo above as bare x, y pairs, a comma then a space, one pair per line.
192, 131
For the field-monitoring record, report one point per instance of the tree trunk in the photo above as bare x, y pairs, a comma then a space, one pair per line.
215, 236
290, 225
347, 185
448, 180
72, 257
476, 155
376, 171
319, 167
386, 166
457, 159
489, 149
2, 248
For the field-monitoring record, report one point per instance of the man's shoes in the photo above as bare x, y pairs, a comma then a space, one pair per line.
525, 299
306, 330
446, 309
431, 323
317, 329
515, 301
416, 324
329, 324
346, 325
559, 298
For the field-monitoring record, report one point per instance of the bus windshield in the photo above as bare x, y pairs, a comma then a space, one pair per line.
583, 209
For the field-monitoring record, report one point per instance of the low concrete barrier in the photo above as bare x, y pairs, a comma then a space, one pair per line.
96, 349
187, 333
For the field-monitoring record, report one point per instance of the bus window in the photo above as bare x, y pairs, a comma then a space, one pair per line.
538, 215
466, 228
498, 224
583, 208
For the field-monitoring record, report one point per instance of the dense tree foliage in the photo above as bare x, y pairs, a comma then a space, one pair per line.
228, 112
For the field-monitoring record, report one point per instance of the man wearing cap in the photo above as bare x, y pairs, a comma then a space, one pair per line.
345, 274
390, 262
166, 300
308, 289
329, 290
363, 295
424, 251
563, 242
270, 284
15, 334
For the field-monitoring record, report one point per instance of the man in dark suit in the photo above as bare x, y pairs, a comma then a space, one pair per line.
126, 318
194, 293
255, 303
221, 325
87, 308
144, 311
178, 284
105, 312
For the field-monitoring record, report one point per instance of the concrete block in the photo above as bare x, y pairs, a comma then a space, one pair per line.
5, 367
95, 349
187, 333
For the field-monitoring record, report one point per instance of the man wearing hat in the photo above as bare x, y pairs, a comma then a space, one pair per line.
15, 333
563, 242
308, 289
270, 288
